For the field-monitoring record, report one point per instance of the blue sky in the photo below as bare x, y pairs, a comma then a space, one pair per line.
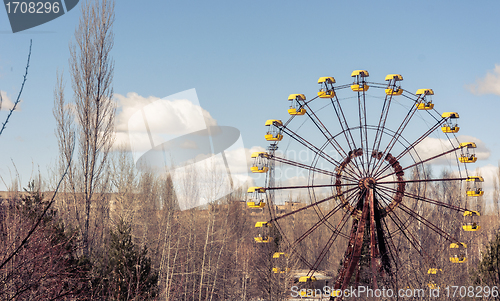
244, 58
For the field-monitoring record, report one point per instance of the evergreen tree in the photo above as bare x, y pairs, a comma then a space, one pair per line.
126, 273
488, 271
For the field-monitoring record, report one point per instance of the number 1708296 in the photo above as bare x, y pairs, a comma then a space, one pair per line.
32, 7
471, 291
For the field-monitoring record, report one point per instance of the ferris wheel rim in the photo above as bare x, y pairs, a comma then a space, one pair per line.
367, 180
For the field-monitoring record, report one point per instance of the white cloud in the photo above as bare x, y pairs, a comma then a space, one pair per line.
166, 118
490, 84
127, 106
7, 104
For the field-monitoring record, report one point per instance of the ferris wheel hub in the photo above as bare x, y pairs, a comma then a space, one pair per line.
366, 183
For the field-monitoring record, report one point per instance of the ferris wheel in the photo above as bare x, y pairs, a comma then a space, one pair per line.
358, 153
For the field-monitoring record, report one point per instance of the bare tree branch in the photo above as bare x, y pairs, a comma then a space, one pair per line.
19, 95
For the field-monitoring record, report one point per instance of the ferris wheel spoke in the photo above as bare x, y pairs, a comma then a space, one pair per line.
318, 224
342, 87
363, 134
413, 241
292, 251
387, 199
397, 135
289, 120
381, 124
423, 180
421, 162
376, 85
411, 213
327, 223
323, 220
411, 147
427, 223
302, 258
405, 231
324, 130
314, 186
427, 200
309, 206
311, 147
392, 247
330, 242
381, 197
350, 170
343, 122
344, 127
307, 167
330, 138
293, 245
352, 198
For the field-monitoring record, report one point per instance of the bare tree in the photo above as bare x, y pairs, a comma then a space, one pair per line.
91, 69
496, 192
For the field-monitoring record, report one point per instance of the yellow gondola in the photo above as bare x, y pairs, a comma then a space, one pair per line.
278, 254
468, 145
434, 271
326, 87
280, 259
477, 192
433, 274
359, 85
474, 190
391, 88
425, 104
307, 293
255, 199
467, 157
260, 239
307, 279
274, 132
471, 222
259, 162
396, 77
458, 252
450, 127
263, 237
295, 107
280, 271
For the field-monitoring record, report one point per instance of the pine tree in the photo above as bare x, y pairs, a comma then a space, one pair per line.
488, 270
127, 273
